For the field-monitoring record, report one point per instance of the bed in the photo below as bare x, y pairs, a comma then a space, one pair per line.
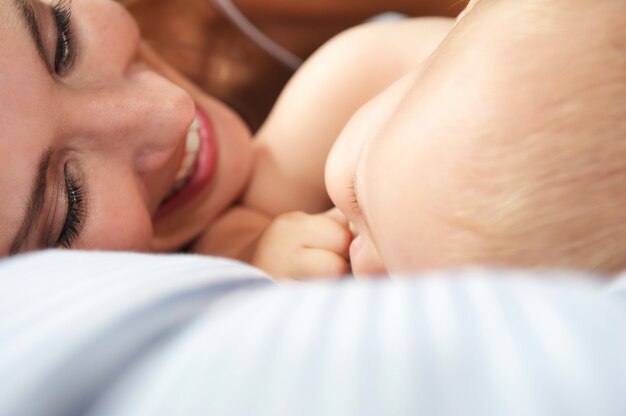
96, 333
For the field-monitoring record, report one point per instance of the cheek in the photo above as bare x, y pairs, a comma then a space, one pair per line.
346, 153
130, 230
338, 173
362, 129
117, 214
341, 168
405, 189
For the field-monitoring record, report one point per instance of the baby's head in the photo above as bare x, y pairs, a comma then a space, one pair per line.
508, 147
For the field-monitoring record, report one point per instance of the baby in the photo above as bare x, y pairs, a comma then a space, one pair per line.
495, 139
505, 148
284, 222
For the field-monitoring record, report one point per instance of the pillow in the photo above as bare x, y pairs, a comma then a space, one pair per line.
135, 334
473, 342
71, 312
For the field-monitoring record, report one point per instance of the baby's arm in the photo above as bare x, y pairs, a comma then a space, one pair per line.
292, 147
293, 144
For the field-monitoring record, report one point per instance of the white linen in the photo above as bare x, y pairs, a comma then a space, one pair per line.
132, 334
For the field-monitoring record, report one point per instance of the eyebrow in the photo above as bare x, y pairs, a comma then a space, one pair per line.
35, 202
27, 12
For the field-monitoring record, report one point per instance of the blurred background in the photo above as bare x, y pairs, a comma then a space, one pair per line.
201, 40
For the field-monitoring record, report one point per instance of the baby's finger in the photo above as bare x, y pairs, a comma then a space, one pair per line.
327, 234
320, 264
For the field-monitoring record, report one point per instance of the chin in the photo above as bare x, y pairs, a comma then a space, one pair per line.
181, 228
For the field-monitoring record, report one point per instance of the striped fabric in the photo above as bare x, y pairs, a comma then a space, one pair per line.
130, 334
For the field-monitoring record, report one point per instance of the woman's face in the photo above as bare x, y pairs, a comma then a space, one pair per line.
463, 140
102, 145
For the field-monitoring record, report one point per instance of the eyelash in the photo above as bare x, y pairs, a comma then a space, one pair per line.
64, 56
75, 211
354, 202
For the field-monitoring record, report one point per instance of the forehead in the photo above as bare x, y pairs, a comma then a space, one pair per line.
24, 81
12, 19
26, 88
25, 93
560, 46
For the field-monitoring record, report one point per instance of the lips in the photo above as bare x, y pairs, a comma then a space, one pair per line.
196, 168
190, 159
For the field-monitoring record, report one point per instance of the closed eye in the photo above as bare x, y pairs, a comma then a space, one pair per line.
75, 214
65, 54
354, 201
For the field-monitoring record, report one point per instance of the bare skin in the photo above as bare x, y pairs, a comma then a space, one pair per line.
454, 151
502, 150
94, 132
282, 224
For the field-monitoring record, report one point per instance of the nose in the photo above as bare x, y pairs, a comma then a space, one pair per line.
142, 117
116, 104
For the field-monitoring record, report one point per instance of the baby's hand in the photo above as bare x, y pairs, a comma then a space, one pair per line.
299, 245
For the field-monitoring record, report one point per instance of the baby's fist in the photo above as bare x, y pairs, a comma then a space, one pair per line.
299, 245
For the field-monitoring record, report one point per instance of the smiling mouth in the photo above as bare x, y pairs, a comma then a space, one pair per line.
197, 166
190, 160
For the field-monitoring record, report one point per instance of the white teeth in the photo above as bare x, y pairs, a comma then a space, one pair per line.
190, 158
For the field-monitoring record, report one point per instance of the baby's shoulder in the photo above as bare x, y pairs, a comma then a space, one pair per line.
402, 41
